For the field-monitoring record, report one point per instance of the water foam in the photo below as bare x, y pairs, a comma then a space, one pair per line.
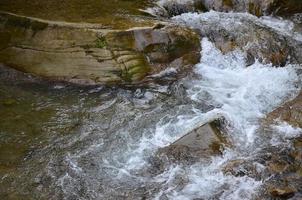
241, 94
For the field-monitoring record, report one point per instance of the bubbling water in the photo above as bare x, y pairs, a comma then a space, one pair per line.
109, 155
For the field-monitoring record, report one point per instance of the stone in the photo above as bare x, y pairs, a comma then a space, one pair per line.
197, 145
174, 7
259, 41
256, 7
290, 112
205, 137
286, 192
241, 167
89, 54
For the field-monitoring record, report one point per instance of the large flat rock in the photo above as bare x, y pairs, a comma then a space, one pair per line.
90, 54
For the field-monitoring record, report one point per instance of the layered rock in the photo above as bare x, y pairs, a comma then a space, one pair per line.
90, 54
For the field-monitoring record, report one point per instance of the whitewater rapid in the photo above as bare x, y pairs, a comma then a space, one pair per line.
146, 120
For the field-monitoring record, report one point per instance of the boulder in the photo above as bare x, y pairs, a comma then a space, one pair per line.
242, 167
282, 192
206, 138
197, 145
257, 38
89, 54
256, 7
283, 176
290, 112
170, 8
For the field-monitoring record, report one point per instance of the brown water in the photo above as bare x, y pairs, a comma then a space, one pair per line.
112, 13
33, 114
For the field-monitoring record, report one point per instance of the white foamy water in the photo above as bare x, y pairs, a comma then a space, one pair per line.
283, 133
233, 21
243, 95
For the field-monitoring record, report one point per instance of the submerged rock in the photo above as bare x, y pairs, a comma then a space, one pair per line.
90, 54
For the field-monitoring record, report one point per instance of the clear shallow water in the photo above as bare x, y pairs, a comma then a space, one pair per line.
95, 143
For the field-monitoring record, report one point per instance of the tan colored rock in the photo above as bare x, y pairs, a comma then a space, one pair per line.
241, 167
285, 192
291, 112
199, 143
205, 138
87, 53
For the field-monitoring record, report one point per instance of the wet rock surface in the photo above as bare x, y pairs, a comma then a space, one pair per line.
196, 146
285, 166
290, 112
107, 143
279, 166
254, 36
89, 54
255, 7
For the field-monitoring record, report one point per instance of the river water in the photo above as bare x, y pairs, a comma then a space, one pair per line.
59, 141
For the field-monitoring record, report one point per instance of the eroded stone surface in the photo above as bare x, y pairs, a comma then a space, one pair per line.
89, 54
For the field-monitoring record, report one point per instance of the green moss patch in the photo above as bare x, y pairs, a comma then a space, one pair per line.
101, 42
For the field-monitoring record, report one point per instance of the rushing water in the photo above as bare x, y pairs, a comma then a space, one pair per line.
96, 143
